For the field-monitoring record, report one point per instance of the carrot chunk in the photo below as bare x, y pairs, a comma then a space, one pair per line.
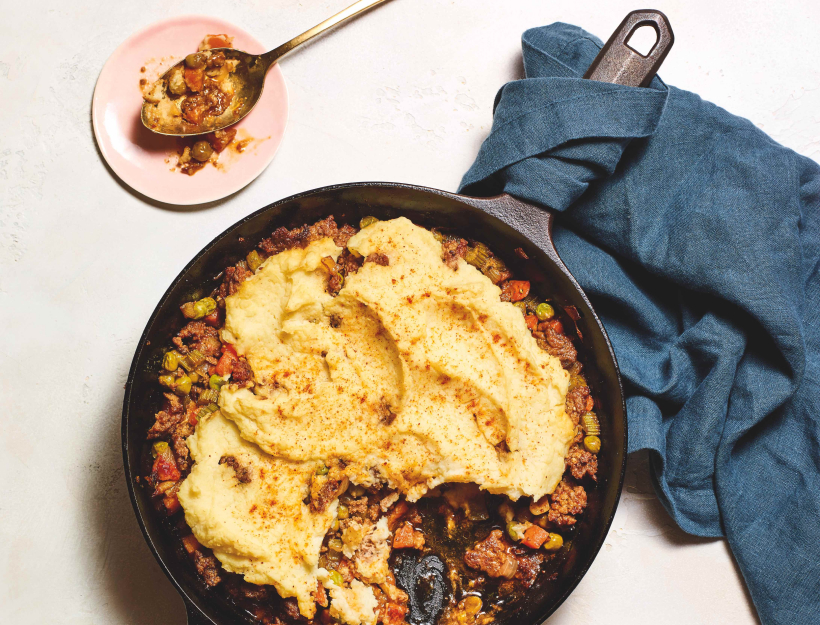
194, 78
398, 511
407, 537
171, 503
534, 537
515, 290
225, 365
190, 543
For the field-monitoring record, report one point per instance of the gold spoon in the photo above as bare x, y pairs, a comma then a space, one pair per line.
248, 79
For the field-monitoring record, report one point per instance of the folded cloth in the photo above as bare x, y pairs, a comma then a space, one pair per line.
697, 239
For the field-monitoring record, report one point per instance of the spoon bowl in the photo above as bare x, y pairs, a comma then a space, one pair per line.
248, 80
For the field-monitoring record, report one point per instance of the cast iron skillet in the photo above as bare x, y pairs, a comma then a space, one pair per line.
503, 223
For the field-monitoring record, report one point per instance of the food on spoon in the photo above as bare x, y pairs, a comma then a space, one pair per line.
197, 95
192, 99
360, 377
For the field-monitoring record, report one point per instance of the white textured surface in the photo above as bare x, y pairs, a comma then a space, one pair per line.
403, 94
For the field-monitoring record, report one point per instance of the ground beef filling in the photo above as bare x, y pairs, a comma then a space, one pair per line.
568, 501
452, 250
493, 555
243, 474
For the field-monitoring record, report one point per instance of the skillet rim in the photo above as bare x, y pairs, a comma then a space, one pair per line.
195, 613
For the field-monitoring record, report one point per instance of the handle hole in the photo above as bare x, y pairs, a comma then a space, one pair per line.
643, 40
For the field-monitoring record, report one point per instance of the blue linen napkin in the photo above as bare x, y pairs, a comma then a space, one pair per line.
697, 238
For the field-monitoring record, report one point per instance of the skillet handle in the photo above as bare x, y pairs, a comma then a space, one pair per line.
616, 63
619, 64
195, 617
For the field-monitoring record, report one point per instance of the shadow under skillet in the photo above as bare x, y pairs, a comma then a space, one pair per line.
126, 575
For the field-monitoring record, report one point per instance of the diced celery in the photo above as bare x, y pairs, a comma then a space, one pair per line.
192, 360
512, 531
206, 410
254, 260
478, 255
208, 396
159, 448
196, 357
590, 422
204, 307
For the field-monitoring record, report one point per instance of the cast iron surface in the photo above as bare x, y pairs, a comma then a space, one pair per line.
504, 224
620, 64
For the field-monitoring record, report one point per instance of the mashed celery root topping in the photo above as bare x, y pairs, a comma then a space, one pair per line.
414, 375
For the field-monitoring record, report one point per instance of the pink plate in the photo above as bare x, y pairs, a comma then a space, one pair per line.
144, 160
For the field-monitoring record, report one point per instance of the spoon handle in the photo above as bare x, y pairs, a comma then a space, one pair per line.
354, 9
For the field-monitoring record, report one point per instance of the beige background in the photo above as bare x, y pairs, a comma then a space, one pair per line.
403, 94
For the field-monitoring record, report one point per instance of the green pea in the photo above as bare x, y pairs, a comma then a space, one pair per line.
216, 382
544, 311
472, 605
554, 542
592, 444
170, 361
343, 511
195, 60
202, 151
322, 469
336, 578
367, 221
183, 385
167, 380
